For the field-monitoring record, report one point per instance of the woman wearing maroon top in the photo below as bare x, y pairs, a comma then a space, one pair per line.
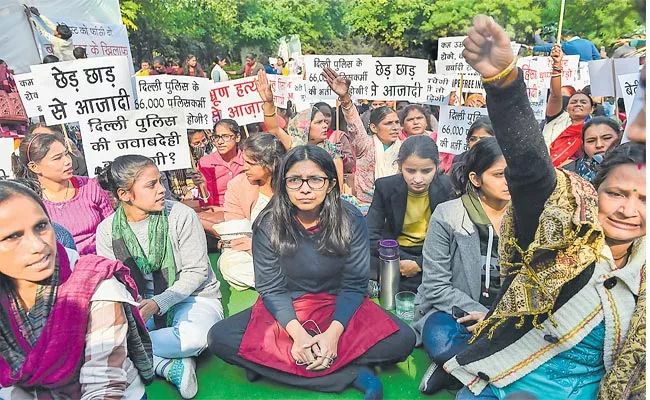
191, 67
218, 168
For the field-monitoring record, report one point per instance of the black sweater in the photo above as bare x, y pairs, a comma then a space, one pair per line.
279, 280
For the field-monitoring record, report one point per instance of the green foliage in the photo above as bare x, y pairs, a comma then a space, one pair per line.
381, 27
600, 21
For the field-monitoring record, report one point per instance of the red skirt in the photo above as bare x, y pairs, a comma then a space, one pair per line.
267, 343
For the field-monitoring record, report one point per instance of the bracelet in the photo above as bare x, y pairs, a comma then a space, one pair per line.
349, 105
268, 101
503, 73
205, 198
275, 110
556, 75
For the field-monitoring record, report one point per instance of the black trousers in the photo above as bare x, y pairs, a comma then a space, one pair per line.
226, 335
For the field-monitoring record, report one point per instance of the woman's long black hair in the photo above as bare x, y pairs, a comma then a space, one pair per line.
335, 234
478, 160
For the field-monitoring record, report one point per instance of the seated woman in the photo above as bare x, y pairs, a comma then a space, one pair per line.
311, 258
414, 120
46, 159
572, 258
247, 195
79, 167
57, 308
219, 167
460, 267
599, 136
376, 153
563, 129
402, 206
307, 127
162, 244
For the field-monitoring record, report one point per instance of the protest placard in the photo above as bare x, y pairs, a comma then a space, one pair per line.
185, 92
453, 127
438, 88
629, 83
604, 75
237, 99
71, 91
6, 149
538, 70
356, 68
399, 78
471, 84
29, 94
582, 80
297, 93
280, 87
538, 103
450, 56
99, 40
158, 134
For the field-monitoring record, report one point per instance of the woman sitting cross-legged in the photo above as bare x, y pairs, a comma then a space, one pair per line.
69, 325
402, 206
311, 260
460, 266
246, 197
163, 244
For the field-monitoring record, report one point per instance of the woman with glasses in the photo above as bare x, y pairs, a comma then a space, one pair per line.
313, 326
218, 168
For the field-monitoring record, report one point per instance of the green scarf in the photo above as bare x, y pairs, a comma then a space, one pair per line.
475, 209
160, 257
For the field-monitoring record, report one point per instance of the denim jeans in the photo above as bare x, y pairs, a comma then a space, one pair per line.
188, 335
443, 337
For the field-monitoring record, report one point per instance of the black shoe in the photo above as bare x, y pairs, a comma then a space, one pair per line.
435, 379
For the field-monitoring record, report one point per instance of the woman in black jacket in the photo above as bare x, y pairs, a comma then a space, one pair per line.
402, 205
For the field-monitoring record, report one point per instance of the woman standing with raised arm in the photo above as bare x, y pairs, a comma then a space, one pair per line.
376, 153
571, 311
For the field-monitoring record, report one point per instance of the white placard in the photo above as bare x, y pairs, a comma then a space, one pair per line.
454, 123
471, 84
158, 134
6, 149
601, 73
629, 83
538, 70
438, 89
172, 91
280, 87
450, 56
99, 40
238, 100
538, 103
399, 78
297, 93
356, 68
71, 91
29, 94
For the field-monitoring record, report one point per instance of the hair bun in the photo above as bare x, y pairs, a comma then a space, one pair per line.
104, 177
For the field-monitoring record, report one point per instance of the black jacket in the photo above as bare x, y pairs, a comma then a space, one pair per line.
385, 217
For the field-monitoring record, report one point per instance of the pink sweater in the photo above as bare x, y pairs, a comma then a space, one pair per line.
81, 214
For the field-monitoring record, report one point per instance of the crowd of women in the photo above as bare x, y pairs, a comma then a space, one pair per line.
530, 278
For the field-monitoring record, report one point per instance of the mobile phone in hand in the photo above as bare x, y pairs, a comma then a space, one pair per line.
458, 313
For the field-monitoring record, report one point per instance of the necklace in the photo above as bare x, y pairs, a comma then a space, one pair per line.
59, 205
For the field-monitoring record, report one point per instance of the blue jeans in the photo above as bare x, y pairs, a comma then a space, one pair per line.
443, 337
486, 394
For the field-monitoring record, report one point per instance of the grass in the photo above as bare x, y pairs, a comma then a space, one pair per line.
220, 380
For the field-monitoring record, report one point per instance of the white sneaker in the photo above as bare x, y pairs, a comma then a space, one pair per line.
182, 373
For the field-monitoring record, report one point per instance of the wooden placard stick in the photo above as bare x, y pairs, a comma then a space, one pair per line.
461, 101
559, 28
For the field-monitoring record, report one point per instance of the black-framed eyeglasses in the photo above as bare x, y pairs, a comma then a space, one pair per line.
314, 182
225, 138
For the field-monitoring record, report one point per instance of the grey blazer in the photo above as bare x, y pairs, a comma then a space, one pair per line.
451, 270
